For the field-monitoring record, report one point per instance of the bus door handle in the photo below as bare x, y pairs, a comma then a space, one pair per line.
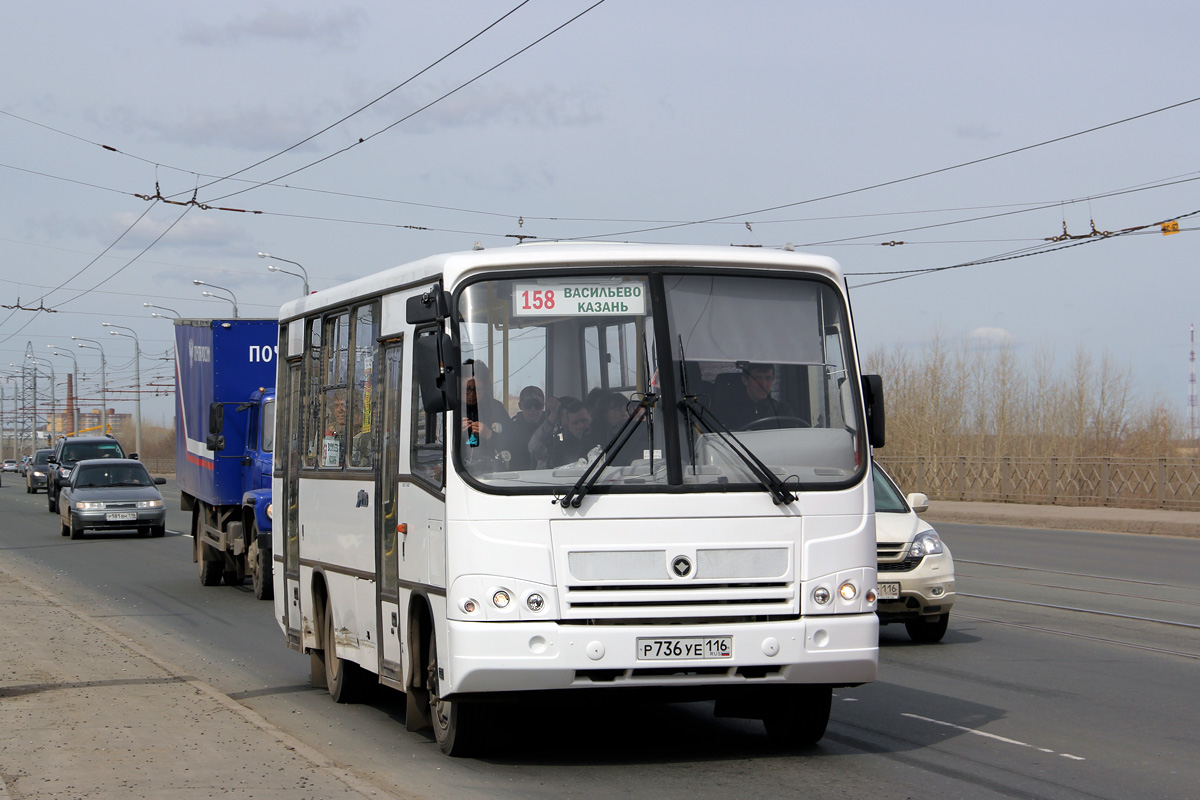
402, 529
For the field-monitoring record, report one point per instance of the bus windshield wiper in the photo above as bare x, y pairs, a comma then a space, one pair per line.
711, 424
609, 452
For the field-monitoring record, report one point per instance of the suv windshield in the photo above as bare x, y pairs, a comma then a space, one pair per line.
887, 497
41, 456
657, 378
82, 451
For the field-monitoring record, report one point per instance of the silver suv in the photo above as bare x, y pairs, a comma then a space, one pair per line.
916, 571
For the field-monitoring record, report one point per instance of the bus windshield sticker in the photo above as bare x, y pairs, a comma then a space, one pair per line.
579, 299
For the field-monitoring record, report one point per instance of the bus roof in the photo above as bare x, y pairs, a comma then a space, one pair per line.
454, 267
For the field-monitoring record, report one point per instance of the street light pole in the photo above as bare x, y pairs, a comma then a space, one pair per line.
273, 268
223, 289
16, 448
137, 379
75, 373
50, 427
162, 308
103, 380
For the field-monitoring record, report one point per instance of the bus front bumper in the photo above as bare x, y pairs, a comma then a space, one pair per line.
840, 649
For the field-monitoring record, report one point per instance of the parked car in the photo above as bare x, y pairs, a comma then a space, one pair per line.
111, 494
70, 449
37, 469
11, 465
915, 569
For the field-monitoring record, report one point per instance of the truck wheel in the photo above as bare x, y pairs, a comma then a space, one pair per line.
456, 725
346, 680
259, 562
799, 716
928, 630
210, 571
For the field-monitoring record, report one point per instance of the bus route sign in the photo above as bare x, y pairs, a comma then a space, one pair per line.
579, 299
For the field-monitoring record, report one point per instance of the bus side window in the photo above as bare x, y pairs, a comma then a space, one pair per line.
428, 457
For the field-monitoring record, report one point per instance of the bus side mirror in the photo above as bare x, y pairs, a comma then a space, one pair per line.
872, 386
439, 387
432, 306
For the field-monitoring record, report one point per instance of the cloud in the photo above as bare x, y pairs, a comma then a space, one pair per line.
977, 131
258, 129
338, 28
991, 338
206, 231
544, 107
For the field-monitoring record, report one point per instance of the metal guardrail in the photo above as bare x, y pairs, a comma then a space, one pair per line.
1168, 483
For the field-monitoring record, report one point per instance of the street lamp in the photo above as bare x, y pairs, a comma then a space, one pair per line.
53, 403
164, 308
16, 446
74, 406
103, 380
223, 289
137, 379
273, 268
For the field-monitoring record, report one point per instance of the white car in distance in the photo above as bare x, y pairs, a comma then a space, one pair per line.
915, 569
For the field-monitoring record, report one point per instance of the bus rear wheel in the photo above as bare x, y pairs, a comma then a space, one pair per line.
799, 716
346, 681
456, 725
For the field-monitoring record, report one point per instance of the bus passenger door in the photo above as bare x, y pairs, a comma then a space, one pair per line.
387, 518
289, 505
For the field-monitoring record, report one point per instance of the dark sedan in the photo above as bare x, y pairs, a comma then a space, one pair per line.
111, 494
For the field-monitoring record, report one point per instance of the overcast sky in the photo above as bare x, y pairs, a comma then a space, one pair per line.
635, 117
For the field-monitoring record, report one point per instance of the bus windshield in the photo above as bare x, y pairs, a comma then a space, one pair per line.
658, 378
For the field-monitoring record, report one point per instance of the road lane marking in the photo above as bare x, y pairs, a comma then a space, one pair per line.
987, 735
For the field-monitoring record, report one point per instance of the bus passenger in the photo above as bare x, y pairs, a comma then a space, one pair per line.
483, 418
565, 440
755, 402
531, 413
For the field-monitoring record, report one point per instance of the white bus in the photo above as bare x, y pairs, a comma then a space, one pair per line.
570, 468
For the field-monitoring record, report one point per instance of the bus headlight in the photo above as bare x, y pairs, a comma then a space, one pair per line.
501, 598
535, 602
848, 591
821, 595
469, 606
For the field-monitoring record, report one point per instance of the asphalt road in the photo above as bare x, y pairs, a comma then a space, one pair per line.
1069, 671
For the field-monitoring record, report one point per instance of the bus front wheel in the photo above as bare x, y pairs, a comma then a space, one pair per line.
799, 716
456, 724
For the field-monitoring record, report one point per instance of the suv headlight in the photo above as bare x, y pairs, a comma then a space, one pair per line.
925, 544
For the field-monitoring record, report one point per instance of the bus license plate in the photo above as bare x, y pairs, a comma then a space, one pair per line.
692, 647
889, 591
120, 516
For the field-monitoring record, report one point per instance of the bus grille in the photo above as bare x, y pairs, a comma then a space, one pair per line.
719, 582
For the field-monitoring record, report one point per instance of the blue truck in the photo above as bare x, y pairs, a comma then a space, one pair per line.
224, 437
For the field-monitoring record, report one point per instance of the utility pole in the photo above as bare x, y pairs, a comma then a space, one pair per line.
1192, 421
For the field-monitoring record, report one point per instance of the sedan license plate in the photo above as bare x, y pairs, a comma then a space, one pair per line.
681, 647
889, 591
120, 516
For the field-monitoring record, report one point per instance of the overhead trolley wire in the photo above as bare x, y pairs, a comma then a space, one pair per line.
895, 181
425, 107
